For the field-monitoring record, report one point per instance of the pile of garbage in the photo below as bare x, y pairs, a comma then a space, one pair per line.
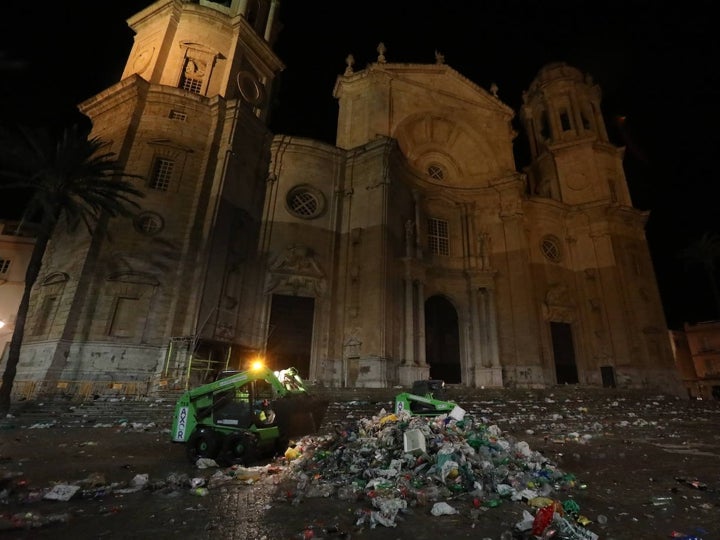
400, 460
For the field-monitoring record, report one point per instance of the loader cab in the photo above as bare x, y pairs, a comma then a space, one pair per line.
243, 406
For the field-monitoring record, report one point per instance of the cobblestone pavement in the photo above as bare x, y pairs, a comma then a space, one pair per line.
646, 467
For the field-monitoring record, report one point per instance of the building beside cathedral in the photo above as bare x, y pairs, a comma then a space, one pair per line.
412, 248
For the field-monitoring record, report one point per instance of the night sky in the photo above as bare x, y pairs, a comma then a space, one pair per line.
657, 66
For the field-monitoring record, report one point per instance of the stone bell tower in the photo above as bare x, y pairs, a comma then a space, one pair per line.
208, 48
572, 160
188, 118
601, 289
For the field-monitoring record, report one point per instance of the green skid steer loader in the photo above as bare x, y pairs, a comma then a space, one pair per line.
245, 414
426, 399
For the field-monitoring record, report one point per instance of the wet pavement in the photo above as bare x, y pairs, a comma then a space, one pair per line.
621, 464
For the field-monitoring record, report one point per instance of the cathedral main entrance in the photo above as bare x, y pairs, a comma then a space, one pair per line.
442, 340
290, 341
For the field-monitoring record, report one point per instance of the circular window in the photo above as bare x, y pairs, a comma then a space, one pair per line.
149, 223
305, 202
436, 172
551, 248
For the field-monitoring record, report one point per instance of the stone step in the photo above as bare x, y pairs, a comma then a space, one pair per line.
344, 405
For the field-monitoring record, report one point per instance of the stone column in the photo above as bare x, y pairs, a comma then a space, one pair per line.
240, 6
476, 348
421, 359
409, 316
492, 329
599, 122
271, 19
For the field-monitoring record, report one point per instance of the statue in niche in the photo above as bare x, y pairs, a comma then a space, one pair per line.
484, 249
409, 234
194, 69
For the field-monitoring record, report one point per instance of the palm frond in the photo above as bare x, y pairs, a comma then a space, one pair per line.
704, 250
71, 177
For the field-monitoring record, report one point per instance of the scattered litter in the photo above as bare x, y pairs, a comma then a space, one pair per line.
45, 425
206, 463
442, 509
61, 492
396, 460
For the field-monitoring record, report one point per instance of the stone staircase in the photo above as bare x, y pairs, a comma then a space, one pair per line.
343, 405
88, 413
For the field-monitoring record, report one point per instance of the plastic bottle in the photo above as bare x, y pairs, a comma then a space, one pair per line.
661, 500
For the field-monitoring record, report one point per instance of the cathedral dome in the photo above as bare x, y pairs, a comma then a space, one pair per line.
557, 71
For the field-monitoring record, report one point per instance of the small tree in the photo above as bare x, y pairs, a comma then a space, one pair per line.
71, 178
705, 251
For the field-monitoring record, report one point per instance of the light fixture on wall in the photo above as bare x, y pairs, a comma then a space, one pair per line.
2, 323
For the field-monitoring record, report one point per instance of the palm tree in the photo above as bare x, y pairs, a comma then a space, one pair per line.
705, 251
72, 178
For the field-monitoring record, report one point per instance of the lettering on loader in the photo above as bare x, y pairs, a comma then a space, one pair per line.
182, 423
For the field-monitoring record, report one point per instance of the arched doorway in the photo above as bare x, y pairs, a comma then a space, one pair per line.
442, 340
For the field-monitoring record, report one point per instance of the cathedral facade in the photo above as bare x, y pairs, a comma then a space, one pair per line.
412, 248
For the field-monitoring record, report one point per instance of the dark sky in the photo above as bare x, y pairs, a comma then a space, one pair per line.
657, 64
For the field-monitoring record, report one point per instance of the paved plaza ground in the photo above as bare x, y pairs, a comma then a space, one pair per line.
645, 466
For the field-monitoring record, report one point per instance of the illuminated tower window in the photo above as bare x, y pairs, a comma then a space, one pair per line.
178, 115
192, 77
438, 237
162, 174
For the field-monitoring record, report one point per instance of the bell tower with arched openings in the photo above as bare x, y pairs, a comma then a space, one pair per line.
572, 159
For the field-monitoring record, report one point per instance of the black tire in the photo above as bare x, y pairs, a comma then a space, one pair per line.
281, 445
203, 443
238, 449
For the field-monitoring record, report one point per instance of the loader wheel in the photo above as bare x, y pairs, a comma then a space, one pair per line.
238, 449
203, 443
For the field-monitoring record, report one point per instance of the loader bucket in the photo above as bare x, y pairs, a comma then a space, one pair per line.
299, 415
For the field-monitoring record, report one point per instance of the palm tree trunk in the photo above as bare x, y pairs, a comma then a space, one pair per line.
31, 275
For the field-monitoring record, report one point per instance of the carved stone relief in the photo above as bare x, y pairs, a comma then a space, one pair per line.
558, 305
295, 271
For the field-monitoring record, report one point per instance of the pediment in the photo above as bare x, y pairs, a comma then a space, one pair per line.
447, 85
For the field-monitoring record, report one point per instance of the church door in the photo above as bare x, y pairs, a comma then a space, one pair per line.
442, 340
564, 353
290, 340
